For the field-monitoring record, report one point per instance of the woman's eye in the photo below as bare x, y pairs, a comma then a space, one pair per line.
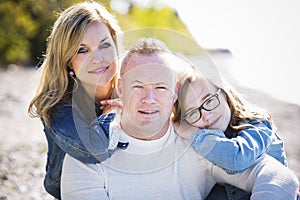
105, 45
82, 50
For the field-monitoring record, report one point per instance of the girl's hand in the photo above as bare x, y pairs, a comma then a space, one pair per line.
111, 104
184, 130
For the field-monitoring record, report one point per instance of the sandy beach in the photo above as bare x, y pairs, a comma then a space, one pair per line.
23, 145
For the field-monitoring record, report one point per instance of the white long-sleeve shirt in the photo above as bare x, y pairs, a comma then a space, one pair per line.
168, 168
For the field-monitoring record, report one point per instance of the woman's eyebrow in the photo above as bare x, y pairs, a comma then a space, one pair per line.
101, 41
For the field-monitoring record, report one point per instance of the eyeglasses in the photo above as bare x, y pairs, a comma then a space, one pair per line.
209, 104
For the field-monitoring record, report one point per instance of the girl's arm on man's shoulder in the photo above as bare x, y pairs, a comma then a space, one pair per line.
235, 154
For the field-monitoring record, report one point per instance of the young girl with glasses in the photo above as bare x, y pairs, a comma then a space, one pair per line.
223, 127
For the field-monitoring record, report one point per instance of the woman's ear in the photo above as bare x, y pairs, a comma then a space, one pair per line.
71, 71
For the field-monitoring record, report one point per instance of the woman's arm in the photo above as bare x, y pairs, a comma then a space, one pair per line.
82, 181
83, 140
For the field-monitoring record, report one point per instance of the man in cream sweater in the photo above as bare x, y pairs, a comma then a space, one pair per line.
157, 163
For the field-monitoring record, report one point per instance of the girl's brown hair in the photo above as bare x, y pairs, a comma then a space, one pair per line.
241, 109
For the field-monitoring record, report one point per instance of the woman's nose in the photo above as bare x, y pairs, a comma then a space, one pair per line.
97, 56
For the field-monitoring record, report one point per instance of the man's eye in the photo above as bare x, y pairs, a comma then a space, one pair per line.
161, 87
82, 50
137, 86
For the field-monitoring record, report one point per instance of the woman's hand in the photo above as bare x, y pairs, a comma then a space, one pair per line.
109, 105
184, 130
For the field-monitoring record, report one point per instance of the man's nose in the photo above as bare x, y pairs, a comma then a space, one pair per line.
149, 96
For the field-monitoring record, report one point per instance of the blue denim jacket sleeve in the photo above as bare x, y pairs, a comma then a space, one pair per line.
237, 154
83, 140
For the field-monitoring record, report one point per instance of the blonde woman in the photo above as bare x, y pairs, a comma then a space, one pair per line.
79, 70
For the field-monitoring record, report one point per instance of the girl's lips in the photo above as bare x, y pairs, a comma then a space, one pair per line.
99, 70
214, 122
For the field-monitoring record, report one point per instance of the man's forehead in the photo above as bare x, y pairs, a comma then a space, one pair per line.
151, 59
151, 73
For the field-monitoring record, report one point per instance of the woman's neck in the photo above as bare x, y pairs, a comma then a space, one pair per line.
99, 92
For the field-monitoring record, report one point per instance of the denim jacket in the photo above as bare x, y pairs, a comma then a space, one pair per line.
238, 152
72, 133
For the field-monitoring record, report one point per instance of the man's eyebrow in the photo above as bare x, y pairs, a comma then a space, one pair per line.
160, 83
136, 81
155, 83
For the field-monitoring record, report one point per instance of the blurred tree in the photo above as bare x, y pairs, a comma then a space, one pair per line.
26, 24
17, 27
163, 23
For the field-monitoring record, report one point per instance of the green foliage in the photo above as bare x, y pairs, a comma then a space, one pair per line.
162, 23
17, 28
26, 24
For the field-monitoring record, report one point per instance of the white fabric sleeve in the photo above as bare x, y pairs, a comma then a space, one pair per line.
266, 179
82, 181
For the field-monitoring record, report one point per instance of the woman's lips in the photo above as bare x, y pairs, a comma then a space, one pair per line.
100, 70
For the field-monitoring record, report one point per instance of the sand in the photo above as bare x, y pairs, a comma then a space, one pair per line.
23, 144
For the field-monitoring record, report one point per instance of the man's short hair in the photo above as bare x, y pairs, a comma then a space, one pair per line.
146, 47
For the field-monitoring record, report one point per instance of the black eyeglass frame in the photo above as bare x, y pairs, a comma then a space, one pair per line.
216, 95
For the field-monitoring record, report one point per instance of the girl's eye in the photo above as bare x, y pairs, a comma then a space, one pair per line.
209, 101
82, 50
192, 113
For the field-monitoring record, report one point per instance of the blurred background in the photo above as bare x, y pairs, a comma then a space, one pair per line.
25, 25
253, 44
263, 36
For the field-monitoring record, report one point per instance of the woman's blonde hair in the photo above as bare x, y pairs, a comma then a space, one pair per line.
56, 85
241, 109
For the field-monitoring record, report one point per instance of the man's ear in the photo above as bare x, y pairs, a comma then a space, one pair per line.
176, 92
120, 90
